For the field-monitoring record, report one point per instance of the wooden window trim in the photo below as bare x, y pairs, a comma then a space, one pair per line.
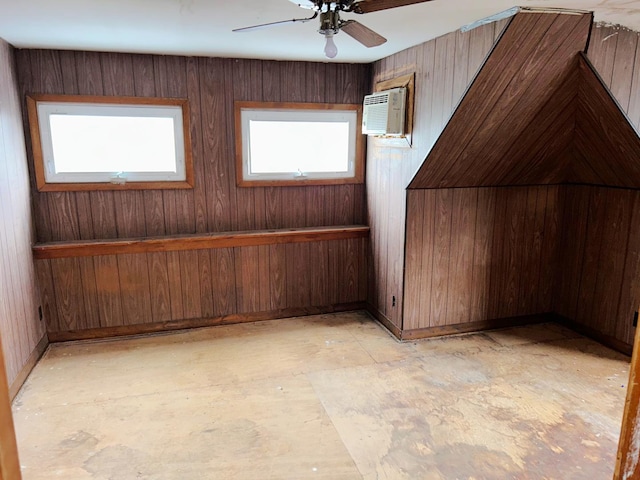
359, 160
38, 157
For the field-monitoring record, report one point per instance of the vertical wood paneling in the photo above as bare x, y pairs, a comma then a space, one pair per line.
615, 240
572, 246
278, 269
134, 287
467, 250
443, 212
67, 283
47, 294
459, 286
248, 283
630, 288
174, 272
596, 219
415, 258
90, 292
159, 287
443, 69
19, 297
605, 287
143, 288
211, 85
205, 277
482, 259
224, 286
550, 247
108, 290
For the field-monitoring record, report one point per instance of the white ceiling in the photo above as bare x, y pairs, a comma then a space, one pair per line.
203, 27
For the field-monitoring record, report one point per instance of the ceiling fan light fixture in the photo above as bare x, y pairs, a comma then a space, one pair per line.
330, 48
329, 26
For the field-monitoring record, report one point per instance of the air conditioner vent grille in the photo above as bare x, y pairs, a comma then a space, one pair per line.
376, 99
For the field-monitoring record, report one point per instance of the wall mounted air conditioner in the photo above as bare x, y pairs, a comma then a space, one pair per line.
383, 112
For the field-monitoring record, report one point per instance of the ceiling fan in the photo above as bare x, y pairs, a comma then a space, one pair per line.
331, 23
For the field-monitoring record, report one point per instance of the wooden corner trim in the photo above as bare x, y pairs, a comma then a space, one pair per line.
90, 248
627, 464
31, 362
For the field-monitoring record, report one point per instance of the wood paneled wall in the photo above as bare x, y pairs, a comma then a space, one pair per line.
515, 122
211, 85
476, 254
156, 291
112, 291
599, 277
598, 280
444, 67
20, 328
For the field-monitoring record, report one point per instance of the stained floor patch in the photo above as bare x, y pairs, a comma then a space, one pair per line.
329, 397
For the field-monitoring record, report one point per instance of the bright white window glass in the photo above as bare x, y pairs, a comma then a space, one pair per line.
100, 142
298, 144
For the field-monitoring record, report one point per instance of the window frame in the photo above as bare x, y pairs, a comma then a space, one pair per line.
39, 160
358, 176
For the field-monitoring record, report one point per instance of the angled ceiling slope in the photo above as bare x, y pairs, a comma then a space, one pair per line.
537, 113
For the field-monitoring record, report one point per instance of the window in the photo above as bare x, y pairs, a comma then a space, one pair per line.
294, 143
104, 143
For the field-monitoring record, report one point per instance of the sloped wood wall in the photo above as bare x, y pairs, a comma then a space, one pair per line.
520, 107
444, 68
21, 330
470, 252
599, 286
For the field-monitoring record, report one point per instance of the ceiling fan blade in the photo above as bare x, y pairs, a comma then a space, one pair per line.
273, 24
368, 6
363, 34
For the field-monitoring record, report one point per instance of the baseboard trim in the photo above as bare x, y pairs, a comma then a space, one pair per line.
606, 340
31, 362
441, 331
129, 330
384, 320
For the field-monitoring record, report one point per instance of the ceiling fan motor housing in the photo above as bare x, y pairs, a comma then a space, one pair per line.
329, 22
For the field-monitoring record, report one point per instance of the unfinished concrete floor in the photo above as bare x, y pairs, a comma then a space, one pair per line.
324, 397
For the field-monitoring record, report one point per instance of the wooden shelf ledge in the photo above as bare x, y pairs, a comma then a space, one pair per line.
92, 248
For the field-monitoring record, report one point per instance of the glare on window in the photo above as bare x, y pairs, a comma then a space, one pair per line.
112, 144
309, 147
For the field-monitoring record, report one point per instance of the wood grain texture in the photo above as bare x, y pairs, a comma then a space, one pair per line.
211, 85
19, 296
176, 243
597, 281
9, 461
606, 141
151, 290
466, 251
513, 90
597, 276
628, 464
443, 69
